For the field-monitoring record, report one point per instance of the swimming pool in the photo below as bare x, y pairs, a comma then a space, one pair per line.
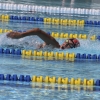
80, 68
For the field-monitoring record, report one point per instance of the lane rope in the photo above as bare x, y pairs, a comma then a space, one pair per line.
48, 20
49, 79
48, 9
41, 20
50, 55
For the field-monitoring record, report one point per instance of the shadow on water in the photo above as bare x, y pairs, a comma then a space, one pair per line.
56, 87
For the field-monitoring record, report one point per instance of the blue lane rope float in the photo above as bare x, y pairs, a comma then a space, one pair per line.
48, 9
49, 79
50, 55
60, 35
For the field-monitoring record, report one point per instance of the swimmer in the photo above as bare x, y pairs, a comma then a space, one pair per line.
48, 40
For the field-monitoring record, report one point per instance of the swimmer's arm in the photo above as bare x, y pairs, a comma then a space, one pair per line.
43, 35
36, 31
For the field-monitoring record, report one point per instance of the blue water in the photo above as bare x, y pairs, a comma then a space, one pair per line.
79, 69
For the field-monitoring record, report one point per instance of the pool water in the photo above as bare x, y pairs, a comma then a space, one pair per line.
59, 68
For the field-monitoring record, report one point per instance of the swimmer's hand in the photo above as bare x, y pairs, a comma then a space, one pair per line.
14, 35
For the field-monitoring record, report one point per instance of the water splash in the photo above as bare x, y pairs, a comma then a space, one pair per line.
29, 42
